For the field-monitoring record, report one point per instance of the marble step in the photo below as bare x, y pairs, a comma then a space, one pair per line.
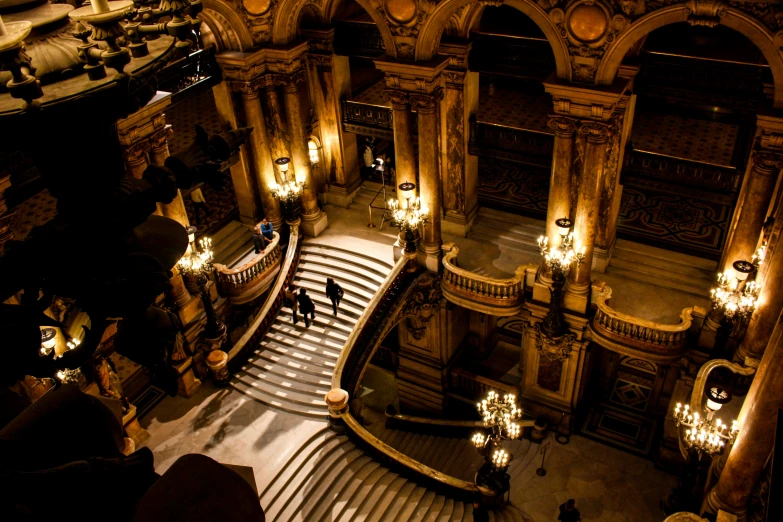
292, 366
503, 238
665, 275
224, 232
342, 266
233, 246
377, 264
658, 280
644, 253
500, 215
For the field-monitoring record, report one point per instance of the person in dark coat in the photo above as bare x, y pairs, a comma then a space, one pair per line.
334, 292
258, 239
480, 513
306, 306
568, 511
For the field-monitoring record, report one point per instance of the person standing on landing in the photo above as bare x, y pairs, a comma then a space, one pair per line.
258, 239
199, 204
290, 301
568, 512
334, 292
306, 306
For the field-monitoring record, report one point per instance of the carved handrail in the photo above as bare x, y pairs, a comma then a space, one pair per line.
263, 320
656, 341
362, 338
502, 297
246, 282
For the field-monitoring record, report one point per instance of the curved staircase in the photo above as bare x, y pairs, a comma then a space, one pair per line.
292, 367
330, 479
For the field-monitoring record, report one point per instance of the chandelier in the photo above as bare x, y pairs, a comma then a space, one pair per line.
289, 190
198, 263
408, 217
558, 259
733, 297
499, 415
705, 433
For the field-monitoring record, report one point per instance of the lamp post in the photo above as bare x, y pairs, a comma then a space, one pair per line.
558, 260
734, 300
408, 217
47, 340
499, 414
288, 192
197, 264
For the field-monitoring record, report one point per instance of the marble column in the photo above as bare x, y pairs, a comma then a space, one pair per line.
752, 210
313, 220
559, 204
757, 421
429, 175
404, 152
588, 201
242, 174
159, 151
136, 159
770, 301
260, 152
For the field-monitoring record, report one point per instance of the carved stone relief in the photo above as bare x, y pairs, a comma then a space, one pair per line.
424, 301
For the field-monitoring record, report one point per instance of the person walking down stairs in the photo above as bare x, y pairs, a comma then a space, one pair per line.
334, 292
199, 204
306, 306
291, 301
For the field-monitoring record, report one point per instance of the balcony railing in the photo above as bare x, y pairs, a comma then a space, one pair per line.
249, 280
501, 297
635, 336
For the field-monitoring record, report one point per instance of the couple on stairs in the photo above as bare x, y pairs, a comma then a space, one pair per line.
302, 301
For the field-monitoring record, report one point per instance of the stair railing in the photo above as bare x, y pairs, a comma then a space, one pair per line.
261, 323
501, 297
244, 283
349, 368
638, 337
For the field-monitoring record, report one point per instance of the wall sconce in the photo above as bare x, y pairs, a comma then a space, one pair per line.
312, 149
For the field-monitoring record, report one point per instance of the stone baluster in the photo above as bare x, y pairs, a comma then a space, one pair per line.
429, 174
260, 151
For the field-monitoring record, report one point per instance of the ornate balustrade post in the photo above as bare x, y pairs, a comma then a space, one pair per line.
330, 81
459, 167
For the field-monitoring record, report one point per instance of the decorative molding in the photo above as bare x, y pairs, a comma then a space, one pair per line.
705, 12
558, 349
563, 126
595, 132
398, 98
426, 103
767, 161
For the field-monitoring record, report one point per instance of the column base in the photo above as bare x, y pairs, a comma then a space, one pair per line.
187, 384
576, 298
712, 504
341, 196
313, 224
458, 224
430, 258
601, 258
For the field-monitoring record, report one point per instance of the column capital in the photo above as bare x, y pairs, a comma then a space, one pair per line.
595, 102
289, 82
767, 161
594, 131
455, 79
563, 126
399, 99
248, 88
161, 137
137, 150
426, 103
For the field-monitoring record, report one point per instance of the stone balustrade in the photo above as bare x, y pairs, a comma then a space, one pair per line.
244, 283
500, 297
661, 343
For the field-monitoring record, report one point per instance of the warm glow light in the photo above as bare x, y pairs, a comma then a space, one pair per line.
312, 149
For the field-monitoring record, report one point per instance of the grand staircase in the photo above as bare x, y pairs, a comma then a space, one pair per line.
330, 479
292, 367
232, 244
517, 233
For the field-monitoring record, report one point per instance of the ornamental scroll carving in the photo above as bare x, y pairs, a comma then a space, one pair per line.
556, 350
705, 12
563, 127
426, 102
424, 301
767, 161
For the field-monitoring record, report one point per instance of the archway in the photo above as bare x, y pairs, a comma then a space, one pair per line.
225, 24
432, 29
734, 19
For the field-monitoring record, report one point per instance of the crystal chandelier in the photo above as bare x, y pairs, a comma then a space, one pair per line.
198, 263
705, 433
289, 190
408, 217
499, 414
735, 298
559, 258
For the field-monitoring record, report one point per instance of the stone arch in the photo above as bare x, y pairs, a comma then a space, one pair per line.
228, 28
431, 30
287, 19
734, 19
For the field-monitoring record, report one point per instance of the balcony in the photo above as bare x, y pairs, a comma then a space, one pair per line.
249, 280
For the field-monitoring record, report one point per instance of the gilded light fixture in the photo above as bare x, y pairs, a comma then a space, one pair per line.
500, 415
312, 150
289, 191
734, 300
196, 264
558, 261
408, 217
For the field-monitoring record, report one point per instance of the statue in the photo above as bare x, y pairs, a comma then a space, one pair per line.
108, 381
